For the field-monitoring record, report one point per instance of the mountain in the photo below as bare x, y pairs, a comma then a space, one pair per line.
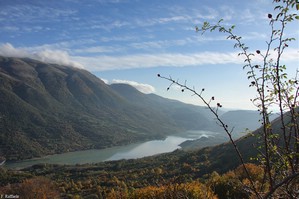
242, 118
184, 115
240, 121
49, 108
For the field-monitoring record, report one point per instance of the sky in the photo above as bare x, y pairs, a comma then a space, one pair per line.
131, 41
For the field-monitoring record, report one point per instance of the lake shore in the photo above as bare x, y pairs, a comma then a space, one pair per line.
131, 151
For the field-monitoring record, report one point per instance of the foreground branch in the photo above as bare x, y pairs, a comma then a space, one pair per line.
221, 123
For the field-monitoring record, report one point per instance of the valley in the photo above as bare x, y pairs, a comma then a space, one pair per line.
126, 99
65, 128
49, 109
131, 151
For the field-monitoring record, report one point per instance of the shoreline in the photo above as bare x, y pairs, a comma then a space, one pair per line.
130, 151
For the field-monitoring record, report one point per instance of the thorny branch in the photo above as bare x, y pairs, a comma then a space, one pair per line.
279, 156
221, 123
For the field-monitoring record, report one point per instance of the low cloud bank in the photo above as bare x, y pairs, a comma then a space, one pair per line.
130, 61
45, 55
144, 88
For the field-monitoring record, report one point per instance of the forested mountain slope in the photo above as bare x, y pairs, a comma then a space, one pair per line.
49, 108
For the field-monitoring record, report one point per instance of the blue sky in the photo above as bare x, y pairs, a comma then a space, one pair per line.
130, 41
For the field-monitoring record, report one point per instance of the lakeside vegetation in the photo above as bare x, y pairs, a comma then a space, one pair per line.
172, 174
207, 170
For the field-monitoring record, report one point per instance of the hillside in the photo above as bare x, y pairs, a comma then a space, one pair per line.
185, 115
149, 173
241, 121
49, 108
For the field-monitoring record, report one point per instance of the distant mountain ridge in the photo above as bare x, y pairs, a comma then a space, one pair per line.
50, 108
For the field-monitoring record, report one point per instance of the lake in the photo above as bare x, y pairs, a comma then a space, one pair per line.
131, 151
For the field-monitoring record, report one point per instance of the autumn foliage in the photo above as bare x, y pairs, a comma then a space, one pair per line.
37, 187
185, 190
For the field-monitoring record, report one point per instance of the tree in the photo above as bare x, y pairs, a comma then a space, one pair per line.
278, 144
184, 190
37, 187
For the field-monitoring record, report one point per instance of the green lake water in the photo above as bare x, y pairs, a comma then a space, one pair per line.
130, 151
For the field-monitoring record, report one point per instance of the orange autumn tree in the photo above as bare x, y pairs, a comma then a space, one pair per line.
184, 190
37, 187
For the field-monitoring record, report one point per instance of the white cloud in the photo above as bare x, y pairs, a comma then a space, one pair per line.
98, 49
45, 55
106, 81
8, 50
29, 13
248, 16
227, 12
144, 88
173, 19
118, 38
10, 28
290, 54
154, 60
101, 63
108, 26
57, 57
153, 45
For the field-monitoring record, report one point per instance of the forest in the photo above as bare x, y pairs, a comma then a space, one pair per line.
175, 175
